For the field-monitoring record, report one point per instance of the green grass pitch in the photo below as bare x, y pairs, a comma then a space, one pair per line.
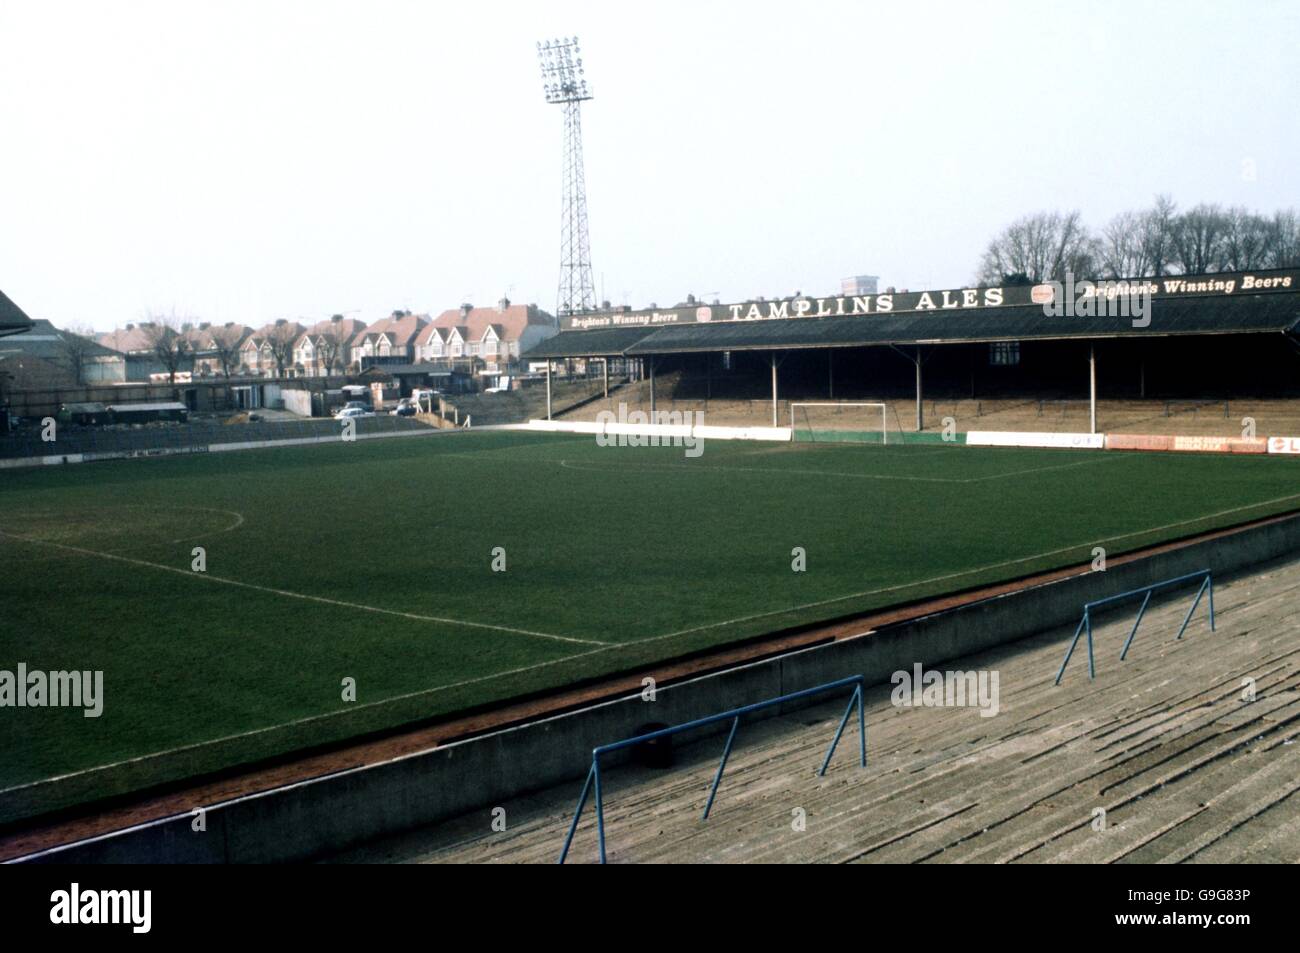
373, 561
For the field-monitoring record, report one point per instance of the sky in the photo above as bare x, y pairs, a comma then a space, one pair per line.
247, 161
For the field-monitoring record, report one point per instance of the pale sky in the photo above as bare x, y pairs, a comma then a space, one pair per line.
254, 160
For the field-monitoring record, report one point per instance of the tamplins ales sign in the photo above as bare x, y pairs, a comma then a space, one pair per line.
952, 299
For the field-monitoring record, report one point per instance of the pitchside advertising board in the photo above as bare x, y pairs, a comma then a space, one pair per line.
952, 299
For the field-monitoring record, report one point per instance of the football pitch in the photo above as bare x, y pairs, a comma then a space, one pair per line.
460, 570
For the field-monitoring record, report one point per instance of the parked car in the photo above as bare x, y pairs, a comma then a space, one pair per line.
358, 405
405, 408
351, 413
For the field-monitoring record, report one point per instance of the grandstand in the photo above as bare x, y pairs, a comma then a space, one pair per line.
680, 391
1203, 338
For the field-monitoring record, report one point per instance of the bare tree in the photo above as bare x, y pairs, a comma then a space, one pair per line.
1244, 242
281, 339
77, 341
1157, 226
1198, 239
1136, 244
1042, 247
225, 344
1282, 245
170, 347
1123, 249
331, 345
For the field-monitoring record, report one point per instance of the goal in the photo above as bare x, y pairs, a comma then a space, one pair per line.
840, 421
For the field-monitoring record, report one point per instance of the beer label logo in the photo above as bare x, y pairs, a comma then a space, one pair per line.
1041, 294
704, 313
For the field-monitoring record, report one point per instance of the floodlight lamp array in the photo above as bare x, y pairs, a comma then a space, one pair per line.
562, 71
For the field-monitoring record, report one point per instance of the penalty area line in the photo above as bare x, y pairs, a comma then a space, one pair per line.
289, 594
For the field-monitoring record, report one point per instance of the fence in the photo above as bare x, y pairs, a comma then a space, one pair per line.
593, 775
149, 439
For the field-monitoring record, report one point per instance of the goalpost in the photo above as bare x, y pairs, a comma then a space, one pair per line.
828, 423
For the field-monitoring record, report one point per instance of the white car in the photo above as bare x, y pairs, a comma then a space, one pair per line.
348, 413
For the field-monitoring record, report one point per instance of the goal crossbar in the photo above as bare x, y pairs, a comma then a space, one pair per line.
884, 413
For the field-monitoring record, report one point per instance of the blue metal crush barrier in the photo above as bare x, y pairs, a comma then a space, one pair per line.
593, 775
1085, 623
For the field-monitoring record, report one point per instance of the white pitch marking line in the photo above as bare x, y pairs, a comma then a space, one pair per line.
829, 473
239, 521
299, 595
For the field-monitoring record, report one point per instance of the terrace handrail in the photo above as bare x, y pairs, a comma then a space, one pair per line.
593, 774
1207, 583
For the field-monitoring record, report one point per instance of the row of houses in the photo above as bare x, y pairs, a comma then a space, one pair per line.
485, 341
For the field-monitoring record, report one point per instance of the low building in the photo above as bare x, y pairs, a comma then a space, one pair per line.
148, 413
81, 359
136, 341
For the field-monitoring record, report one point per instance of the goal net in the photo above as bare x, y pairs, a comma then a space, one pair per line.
840, 421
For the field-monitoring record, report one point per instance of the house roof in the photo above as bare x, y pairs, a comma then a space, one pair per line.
401, 331
12, 319
263, 334
203, 337
346, 328
131, 339
510, 321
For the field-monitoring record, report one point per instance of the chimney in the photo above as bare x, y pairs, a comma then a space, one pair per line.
503, 303
130, 327
690, 299
204, 325
465, 309
604, 305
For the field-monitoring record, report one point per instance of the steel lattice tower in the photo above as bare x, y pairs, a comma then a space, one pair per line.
563, 84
